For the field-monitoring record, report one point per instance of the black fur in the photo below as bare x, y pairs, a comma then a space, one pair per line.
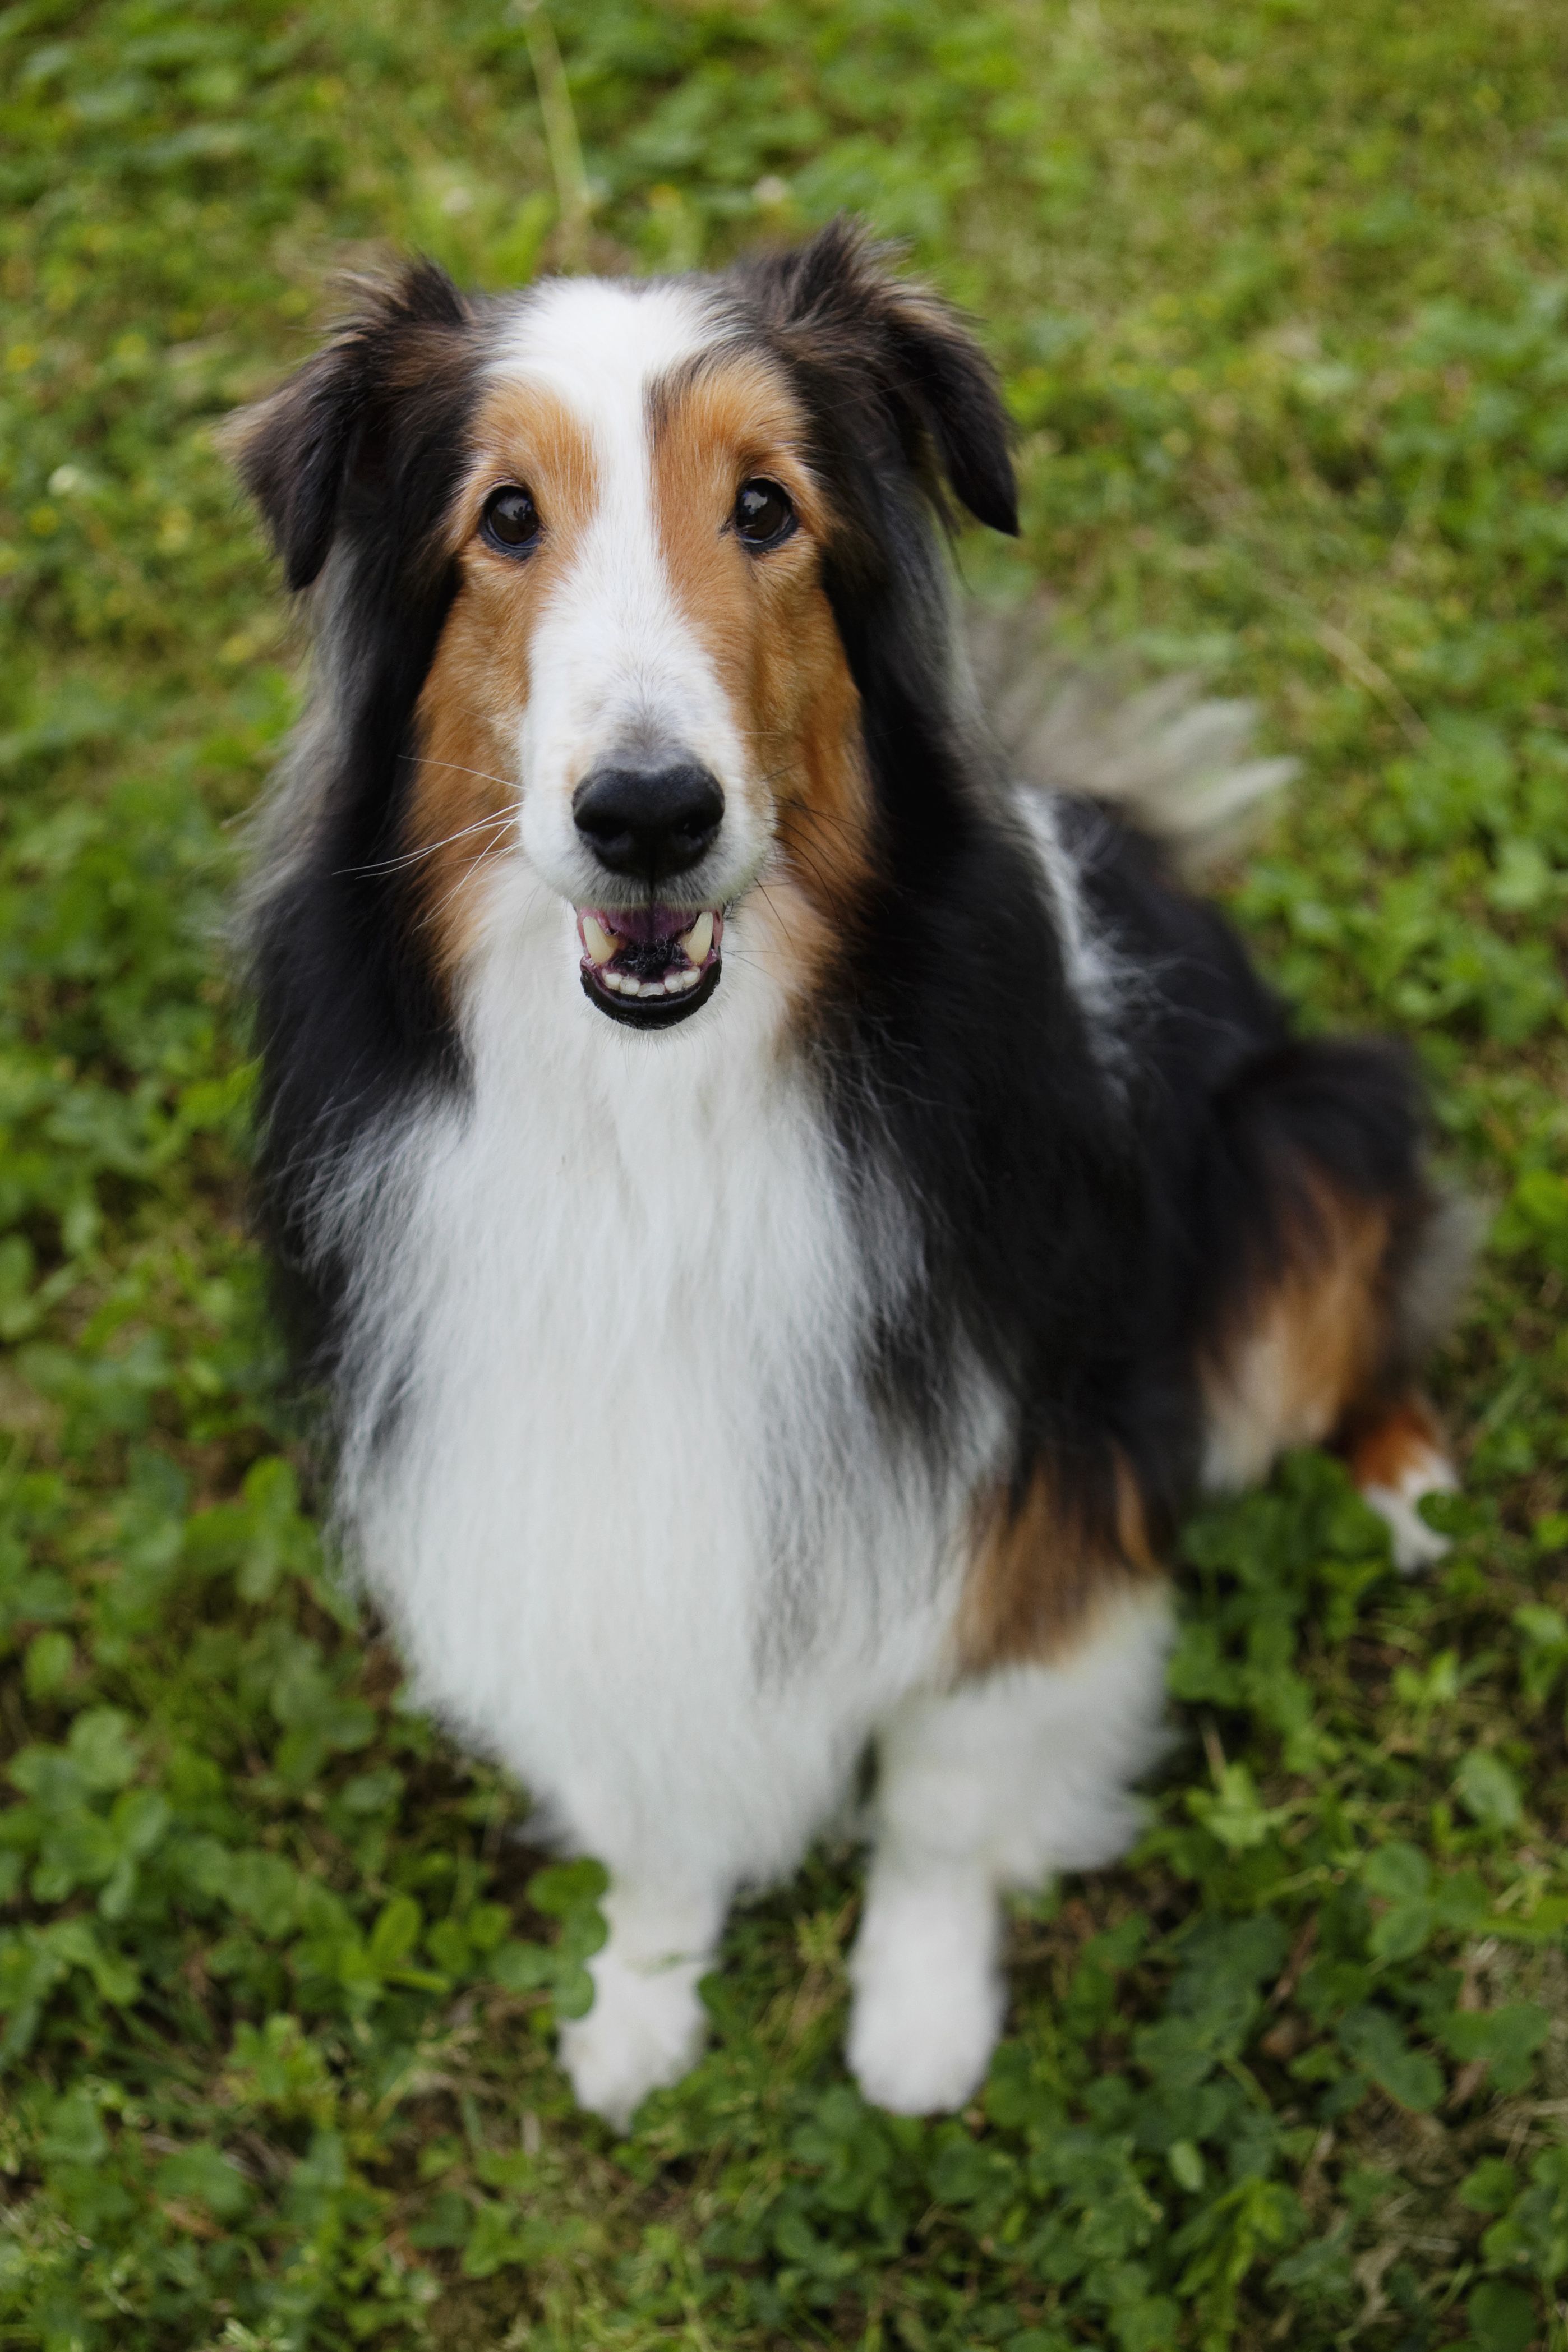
1086, 1234
356, 460
1245, 1122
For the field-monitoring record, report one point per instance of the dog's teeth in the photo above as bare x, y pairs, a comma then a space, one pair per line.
683, 980
614, 980
699, 938
597, 940
630, 987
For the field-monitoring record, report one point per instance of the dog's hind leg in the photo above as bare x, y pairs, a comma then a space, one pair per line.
1020, 1771
648, 2024
1303, 1376
1337, 1270
1320, 1365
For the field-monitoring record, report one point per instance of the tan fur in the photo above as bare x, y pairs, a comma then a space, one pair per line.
767, 625
1310, 1348
479, 679
1035, 1575
1390, 1447
764, 621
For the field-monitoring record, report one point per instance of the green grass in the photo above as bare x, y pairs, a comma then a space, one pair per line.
1280, 292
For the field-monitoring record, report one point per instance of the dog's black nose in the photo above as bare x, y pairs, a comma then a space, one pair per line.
652, 821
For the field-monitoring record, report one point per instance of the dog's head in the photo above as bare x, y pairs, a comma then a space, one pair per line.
598, 563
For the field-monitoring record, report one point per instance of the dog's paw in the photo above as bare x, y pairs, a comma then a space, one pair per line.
1416, 1545
928, 1999
646, 2029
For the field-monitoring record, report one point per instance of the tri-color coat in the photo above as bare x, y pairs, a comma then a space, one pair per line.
789, 1218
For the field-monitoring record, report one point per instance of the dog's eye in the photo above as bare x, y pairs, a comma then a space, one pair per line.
510, 521
765, 516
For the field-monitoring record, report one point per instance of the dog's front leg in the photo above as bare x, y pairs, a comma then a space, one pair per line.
997, 1783
647, 2022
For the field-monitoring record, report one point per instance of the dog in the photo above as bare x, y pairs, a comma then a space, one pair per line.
788, 1217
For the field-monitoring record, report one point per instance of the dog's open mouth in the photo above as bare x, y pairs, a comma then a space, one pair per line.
649, 965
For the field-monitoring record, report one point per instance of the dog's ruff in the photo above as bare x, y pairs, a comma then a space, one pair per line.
778, 1299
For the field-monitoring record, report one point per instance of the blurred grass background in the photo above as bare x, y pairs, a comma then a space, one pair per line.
1280, 295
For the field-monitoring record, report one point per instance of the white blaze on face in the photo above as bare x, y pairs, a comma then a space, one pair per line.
615, 664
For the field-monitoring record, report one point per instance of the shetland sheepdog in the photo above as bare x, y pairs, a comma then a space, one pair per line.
789, 1215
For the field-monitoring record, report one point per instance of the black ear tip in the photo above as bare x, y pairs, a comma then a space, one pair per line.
300, 570
975, 434
996, 513
1001, 513
981, 472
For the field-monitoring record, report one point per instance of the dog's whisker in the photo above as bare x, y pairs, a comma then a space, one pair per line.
430, 848
424, 760
448, 898
825, 876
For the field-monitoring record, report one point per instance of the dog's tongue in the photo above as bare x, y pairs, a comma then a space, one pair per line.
650, 926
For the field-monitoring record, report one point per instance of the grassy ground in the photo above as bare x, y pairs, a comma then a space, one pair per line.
1281, 294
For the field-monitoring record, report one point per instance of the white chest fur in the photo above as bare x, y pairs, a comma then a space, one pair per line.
632, 1512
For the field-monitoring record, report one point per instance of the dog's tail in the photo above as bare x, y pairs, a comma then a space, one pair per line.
1174, 761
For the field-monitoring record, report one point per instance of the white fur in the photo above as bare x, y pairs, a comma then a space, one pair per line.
616, 662
638, 1533
996, 1784
624, 1320
1100, 981
647, 2023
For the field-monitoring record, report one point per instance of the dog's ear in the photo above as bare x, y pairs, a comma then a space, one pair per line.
297, 450
834, 305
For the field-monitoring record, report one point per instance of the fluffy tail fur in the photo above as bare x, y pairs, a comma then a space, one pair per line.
1174, 760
